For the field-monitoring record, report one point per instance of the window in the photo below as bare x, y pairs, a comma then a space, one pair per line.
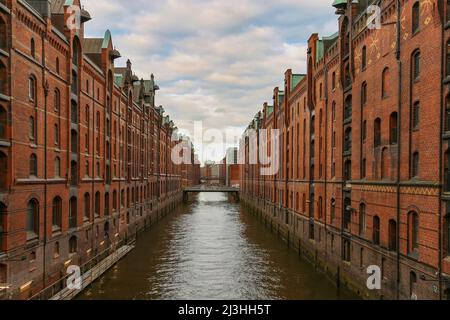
32, 218
448, 11
448, 59
333, 210
348, 108
56, 134
347, 213
364, 94
392, 235
3, 35
57, 101
57, 65
114, 200
333, 111
416, 115
416, 65
393, 128
416, 17
32, 88
75, 52
97, 204
362, 219
3, 77
415, 165
348, 140
87, 207
348, 170
346, 251
73, 210
57, 167
377, 133
33, 48
364, 58
73, 173
3, 171
107, 204
73, 245
347, 77
33, 166
413, 232
385, 85
57, 214
376, 231
3, 123
412, 285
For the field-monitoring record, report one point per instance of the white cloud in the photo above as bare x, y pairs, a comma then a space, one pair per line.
215, 60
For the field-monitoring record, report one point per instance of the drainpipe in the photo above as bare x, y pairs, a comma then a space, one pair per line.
326, 157
399, 121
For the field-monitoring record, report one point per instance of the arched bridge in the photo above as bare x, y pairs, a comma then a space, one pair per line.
210, 189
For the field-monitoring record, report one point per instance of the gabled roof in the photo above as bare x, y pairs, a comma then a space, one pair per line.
92, 45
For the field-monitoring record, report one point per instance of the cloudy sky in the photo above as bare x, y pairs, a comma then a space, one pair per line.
216, 61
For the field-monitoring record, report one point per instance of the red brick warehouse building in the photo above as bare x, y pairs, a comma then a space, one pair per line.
84, 152
364, 151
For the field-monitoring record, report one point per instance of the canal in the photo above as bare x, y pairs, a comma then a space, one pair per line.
212, 249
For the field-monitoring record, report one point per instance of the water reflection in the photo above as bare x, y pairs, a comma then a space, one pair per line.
212, 249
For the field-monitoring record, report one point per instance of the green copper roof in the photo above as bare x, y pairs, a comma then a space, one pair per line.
296, 78
118, 79
106, 39
269, 110
337, 3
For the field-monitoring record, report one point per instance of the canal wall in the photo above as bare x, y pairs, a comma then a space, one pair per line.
325, 250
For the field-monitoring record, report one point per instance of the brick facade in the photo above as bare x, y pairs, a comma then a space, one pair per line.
363, 176
85, 154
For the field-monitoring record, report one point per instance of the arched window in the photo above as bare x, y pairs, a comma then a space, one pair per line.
362, 219
413, 232
392, 235
415, 17
32, 88
3, 171
447, 113
107, 204
364, 94
33, 48
57, 167
56, 134
57, 101
348, 140
74, 173
448, 11
333, 81
32, 218
416, 115
75, 52
73, 210
347, 76
3, 35
320, 207
377, 133
97, 204
364, 58
393, 128
74, 141
415, 165
448, 59
32, 128
416, 65
348, 170
115, 200
73, 243
376, 230
33, 166
74, 112
412, 284
348, 108
57, 214
3, 77
385, 83
87, 206
347, 213
57, 65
